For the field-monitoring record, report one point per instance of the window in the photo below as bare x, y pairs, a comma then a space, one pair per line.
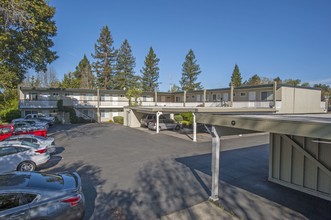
267, 96
234, 94
66, 94
242, 94
8, 201
55, 94
5, 151
177, 99
214, 97
88, 97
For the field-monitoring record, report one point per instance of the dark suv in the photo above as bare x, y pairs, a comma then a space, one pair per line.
147, 118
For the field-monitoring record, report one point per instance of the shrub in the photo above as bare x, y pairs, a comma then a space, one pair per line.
118, 119
186, 123
110, 121
7, 115
178, 118
188, 116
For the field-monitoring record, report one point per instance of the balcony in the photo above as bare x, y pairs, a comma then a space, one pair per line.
37, 104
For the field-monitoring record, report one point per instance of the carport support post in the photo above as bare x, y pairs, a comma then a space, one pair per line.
215, 166
157, 122
194, 128
184, 98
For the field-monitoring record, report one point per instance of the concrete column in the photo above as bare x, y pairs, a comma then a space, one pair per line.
98, 105
184, 98
274, 91
194, 128
231, 95
204, 97
215, 166
155, 97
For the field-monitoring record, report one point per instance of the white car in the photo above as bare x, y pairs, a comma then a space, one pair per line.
19, 122
47, 142
165, 124
22, 156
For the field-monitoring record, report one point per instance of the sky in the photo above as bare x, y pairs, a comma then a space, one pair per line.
285, 38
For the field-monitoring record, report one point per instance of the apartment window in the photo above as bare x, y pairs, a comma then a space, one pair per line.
234, 94
144, 98
267, 96
214, 97
105, 114
242, 94
88, 97
105, 97
31, 96
177, 99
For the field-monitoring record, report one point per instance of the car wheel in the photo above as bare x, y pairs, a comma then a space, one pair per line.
26, 166
177, 127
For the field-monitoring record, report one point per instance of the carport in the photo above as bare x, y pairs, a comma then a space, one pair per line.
300, 145
300, 148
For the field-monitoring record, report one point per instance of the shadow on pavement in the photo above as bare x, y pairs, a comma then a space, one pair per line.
247, 169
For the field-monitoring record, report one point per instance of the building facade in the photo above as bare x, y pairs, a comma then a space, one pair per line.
103, 105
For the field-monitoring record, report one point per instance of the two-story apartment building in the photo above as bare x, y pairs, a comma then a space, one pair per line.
103, 105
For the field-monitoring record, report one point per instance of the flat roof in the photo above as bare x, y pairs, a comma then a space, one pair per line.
308, 125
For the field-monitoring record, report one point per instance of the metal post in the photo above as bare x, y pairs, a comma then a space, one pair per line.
98, 106
231, 94
215, 164
204, 97
184, 98
194, 128
157, 122
155, 97
274, 91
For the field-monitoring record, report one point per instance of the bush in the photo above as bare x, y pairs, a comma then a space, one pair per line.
188, 116
178, 118
118, 119
186, 123
7, 115
110, 121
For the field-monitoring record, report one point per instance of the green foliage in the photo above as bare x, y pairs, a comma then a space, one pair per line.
178, 118
84, 75
187, 116
125, 76
150, 72
292, 82
104, 59
9, 106
253, 81
325, 91
174, 88
70, 81
110, 121
186, 123
118, 119
190, 72
236, 77
60, 105
26, 29
133, 93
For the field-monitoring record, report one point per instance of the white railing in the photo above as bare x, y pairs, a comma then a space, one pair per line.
262, 104
38, 104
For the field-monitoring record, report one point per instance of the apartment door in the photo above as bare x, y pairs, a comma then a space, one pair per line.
252, 96
198, 98
225, 97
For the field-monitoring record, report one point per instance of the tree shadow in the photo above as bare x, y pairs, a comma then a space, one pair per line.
244, 174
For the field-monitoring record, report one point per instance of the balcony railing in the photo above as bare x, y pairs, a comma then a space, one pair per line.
38, 104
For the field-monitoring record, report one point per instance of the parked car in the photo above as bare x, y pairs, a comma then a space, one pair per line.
21, 122
34, 195
47, 142
144, 121
40, 116
21, 156
9, 130
165, 124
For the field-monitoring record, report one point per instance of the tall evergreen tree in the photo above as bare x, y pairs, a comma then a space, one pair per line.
253, 81
190, 72
84, 74
236, 77
125, 76
104, 59
150, 72
69, 81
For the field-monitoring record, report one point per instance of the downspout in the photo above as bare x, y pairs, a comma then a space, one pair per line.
98, 105
275, 90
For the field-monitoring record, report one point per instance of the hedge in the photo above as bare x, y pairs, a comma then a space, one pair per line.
118, 119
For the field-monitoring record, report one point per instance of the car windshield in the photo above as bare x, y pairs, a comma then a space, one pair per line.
40, 138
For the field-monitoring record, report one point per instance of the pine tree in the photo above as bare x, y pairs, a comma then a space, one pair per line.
150, 72
84, 74
236, 77
125, 76
190, 72
104, 60
69, 81
253, 81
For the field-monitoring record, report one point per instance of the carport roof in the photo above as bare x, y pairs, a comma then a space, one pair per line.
309, 125
219, 110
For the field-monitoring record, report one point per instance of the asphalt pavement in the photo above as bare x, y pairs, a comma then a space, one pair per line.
132, 173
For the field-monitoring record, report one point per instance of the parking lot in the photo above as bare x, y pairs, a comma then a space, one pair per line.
136, 174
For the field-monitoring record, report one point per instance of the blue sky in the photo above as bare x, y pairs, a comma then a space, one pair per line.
285, 38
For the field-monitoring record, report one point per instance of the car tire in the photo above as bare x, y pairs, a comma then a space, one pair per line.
177, 127
26, 166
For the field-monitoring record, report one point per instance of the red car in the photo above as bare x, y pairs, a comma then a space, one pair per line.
8, 130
